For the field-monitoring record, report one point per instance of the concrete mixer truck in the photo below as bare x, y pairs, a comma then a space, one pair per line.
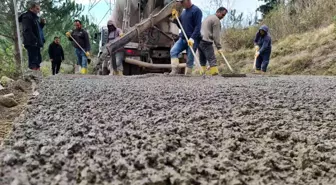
149, 35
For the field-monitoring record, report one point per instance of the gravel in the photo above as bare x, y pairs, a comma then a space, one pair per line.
163, 130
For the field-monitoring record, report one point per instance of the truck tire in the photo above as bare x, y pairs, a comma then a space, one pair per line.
127, 68
130, 69
135, 70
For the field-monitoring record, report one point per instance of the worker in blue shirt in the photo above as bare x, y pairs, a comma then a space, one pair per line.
191, 20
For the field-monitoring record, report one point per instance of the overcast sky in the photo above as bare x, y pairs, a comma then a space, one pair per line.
100, 10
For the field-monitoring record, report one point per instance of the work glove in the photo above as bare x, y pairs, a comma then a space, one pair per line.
174, 13
68, 34
121, 34
256, 48
257, 54
87, 54
191, 42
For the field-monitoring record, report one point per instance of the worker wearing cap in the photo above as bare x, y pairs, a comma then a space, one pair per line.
210, 31
116, 62
263, 45
83, 43
191, 20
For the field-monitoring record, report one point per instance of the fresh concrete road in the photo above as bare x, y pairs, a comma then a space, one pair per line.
157, 129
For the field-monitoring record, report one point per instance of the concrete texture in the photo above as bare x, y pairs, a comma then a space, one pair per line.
157, 129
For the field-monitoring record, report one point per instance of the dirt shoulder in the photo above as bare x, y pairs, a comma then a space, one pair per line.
20, 89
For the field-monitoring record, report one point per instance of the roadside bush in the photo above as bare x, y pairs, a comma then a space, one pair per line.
235, 38
293, 18
8, 67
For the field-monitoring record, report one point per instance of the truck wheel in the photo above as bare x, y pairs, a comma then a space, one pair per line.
135, 70
127, 68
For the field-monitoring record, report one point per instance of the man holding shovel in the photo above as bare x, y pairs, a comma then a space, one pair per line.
81, 42
210, 31
191, 21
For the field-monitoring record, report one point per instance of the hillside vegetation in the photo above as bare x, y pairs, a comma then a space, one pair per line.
304, 40
310, 53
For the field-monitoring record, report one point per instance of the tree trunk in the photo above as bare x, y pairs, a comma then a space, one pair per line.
17, 57
15, 39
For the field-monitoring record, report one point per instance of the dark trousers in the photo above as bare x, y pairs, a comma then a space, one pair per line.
207, 53
34, 57
55, 67
263, 61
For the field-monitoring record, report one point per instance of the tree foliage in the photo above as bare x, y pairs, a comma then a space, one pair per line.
59, 15
269, 5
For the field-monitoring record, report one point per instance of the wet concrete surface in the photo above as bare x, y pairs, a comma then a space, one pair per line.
157, 129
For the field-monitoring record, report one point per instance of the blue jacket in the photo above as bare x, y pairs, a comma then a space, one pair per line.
264, 42
191, 20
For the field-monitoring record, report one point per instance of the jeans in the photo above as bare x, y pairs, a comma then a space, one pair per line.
182, 45
116, 62
34, 57
81, 58
207, 53
55, 67
263, 61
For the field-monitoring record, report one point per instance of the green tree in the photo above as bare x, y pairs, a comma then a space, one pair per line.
269, 5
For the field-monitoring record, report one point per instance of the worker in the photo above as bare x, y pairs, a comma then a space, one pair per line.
263, 46
56, 55
210, 31
117, 58
191, 20
82, 38
33, 37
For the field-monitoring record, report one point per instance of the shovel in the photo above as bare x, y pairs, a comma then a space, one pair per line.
88, 59
232, 74
191, 49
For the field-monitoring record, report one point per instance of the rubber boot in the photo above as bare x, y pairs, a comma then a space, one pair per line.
204, 68
214, 71
114, 72
257, 71
83, 71
188, 71
174, 64
120, 73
